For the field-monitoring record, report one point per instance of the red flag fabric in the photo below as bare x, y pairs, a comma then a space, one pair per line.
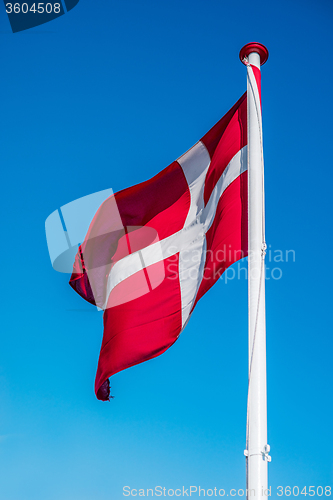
154, 249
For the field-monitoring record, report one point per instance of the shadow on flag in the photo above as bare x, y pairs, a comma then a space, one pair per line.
27, 14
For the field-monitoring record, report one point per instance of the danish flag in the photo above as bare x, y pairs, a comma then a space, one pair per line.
154, 249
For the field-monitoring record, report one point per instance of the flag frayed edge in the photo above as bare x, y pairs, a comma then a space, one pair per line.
104, 391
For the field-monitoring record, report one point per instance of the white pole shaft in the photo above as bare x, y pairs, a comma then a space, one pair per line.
257, 404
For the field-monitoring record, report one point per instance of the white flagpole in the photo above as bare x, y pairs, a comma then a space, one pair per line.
254, 55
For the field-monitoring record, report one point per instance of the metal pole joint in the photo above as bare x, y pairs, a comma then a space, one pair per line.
264, 453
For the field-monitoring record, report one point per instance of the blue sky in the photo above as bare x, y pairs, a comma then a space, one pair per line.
105, 97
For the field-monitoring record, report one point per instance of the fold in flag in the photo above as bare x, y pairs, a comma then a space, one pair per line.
154, 249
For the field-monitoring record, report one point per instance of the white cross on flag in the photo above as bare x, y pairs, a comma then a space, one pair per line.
154, 249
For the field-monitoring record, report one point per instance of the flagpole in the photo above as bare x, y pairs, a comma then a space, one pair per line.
253, 55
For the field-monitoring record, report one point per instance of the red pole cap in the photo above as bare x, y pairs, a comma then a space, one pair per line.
254, 47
